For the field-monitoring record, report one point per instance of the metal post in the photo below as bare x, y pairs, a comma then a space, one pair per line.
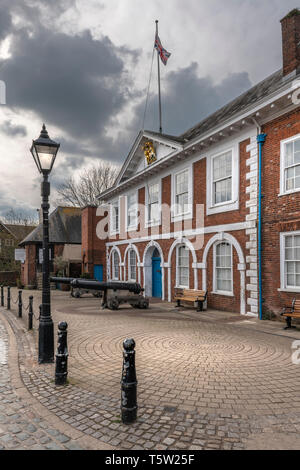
20, 304
30, 312
159, 92
2, 296
129, 383
8, 298
46, 332
61, 366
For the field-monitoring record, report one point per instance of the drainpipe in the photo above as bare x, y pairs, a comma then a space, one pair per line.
261, 138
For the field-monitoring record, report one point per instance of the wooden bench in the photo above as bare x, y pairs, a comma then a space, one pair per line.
290, 312
191, 295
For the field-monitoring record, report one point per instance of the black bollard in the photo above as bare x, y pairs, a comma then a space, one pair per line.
2, 296
30, 312
8, 298
61, 365
20, 304
129, 383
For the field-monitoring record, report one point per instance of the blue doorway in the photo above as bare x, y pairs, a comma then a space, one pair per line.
156, 275
98, 272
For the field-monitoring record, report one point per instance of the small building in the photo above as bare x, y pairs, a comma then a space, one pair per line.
64, 242
10, 237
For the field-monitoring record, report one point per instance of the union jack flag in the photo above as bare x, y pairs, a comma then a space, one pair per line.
164, 55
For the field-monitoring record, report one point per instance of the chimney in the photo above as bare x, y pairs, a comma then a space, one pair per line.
290, 26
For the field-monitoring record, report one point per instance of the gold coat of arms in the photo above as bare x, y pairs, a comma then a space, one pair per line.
149, 152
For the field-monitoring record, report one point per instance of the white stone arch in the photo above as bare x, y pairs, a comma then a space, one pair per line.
219, 237
189, 245
113, 249
147, 268
131, 246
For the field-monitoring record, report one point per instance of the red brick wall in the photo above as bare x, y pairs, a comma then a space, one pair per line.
279, 214
28, 270
290, 43
231, 303
93, 249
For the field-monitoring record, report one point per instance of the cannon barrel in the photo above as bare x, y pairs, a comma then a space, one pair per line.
97, 285
62, 280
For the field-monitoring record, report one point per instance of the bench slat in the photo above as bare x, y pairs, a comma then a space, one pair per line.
292, 315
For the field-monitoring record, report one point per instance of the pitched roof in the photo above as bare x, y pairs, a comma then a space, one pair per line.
20, 231
64, 227
236, 106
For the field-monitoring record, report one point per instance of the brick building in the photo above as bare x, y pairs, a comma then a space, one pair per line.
64, 242
10, 237
216, 207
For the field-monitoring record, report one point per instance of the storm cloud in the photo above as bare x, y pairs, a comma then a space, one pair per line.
75, 82
187, 99
13, 130
82, 68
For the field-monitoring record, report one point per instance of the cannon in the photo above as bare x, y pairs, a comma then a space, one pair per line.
114, 292
75, 291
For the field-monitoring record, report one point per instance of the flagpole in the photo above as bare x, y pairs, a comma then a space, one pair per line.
159, 95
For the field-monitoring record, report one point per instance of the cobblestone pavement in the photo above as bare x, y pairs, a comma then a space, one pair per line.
206, 381
21, 427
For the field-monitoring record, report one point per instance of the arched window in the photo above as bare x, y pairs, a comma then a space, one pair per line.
223, 268
132, 265
182, 266
115, 265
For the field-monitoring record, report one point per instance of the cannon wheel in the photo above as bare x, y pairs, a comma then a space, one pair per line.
97, 294
113, 304
144, 303
77, 294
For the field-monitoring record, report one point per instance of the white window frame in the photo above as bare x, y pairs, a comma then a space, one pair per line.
177, 267
132, 227
151, 223
129, 265
282, 166
233, 204
114, 277
176, 217
113, 204
215, 289
283, 286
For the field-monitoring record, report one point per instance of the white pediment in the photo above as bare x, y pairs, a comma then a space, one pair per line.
136, 161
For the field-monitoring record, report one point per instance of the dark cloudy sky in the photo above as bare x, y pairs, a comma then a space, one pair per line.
82, 67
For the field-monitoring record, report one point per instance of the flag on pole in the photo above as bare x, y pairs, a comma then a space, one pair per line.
164, 55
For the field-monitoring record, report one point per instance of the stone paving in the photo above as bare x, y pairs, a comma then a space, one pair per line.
20, 426
206, 381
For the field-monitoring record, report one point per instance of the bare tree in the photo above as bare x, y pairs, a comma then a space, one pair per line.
90, 183
14, 217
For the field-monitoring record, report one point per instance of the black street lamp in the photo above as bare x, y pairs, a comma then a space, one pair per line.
44, 151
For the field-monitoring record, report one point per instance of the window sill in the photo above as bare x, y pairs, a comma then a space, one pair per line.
131, 229
289, 289
180, 217
153, 224
224, 207
227, 294
287, 193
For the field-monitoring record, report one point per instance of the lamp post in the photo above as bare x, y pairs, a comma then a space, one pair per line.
44, 151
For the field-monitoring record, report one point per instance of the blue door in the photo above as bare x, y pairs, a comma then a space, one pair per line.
98, 272
156, 277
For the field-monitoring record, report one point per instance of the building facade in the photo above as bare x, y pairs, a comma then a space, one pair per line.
64, 242
216, 208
